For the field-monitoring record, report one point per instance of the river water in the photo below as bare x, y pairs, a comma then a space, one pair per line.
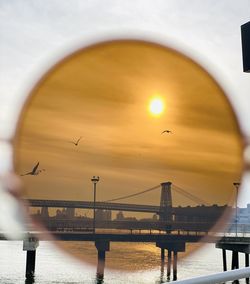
126, 263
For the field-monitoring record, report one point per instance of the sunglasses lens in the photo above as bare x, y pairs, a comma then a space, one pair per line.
123, 140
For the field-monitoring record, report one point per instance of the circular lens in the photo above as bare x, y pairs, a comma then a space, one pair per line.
130, 148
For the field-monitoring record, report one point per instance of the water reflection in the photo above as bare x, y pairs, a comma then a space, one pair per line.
30, 280
162, 278
99, 279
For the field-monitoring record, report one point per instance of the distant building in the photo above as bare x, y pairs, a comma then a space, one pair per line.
70, 213
155, 217
108, 215
242, 223
44, 212
103, 215
243, 215
119, 216
199, 213
60, 213
130, 219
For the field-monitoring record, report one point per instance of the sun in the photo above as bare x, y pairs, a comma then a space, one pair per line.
156, 106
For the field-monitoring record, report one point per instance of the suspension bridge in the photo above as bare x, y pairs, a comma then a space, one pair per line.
197, 218
110, 205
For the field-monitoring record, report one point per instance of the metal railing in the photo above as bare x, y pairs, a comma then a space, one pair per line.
218, 277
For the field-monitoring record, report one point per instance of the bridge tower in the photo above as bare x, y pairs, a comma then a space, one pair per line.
166, 202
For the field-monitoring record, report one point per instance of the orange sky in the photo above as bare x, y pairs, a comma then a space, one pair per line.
102, 93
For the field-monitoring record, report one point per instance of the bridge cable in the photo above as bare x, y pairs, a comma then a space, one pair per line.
190, 196
134, 194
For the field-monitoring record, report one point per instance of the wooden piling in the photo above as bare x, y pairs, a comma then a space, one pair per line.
30, 244
247, 265
224, 256
235, 263
169, 264
101, 263
174, 247
175, 266
246, 259
162, 271
162, 254
102, 246
235, 260
30, 264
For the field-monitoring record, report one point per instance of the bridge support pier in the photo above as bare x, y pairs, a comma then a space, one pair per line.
173, 248
30, 244
102, 246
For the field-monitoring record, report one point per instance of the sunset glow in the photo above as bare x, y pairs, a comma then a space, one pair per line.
156, 106
108, 94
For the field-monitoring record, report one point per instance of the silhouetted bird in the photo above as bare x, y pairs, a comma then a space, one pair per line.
75, 143
34, 171
167, 131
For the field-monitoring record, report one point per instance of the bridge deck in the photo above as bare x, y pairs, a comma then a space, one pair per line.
90, 205
145, 238
140, 237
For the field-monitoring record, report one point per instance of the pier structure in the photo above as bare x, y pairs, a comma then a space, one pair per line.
172, 243
30, 244
102, 247
172, 248
175, 227
235, 246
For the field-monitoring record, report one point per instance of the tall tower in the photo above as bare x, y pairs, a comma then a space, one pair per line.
166, 202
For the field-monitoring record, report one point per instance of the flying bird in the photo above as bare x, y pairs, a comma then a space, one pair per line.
167, 131
75, 142
34, 171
